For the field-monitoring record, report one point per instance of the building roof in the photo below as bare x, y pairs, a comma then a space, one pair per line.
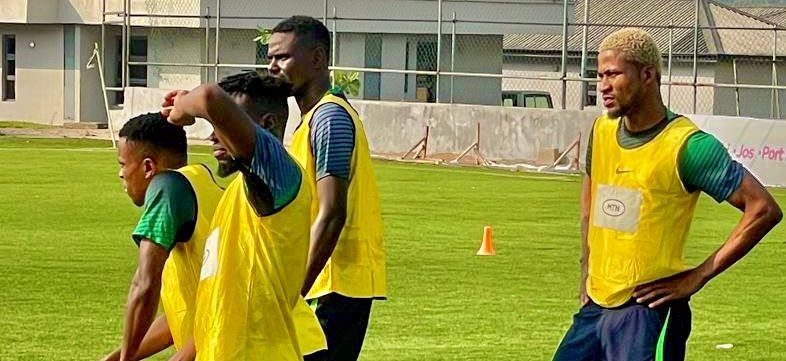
644, 13
775, 14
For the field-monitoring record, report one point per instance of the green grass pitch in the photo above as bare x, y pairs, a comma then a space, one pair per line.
66, 259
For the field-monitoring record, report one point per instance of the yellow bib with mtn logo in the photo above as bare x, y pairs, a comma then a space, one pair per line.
640, 211
357, 266
180, 277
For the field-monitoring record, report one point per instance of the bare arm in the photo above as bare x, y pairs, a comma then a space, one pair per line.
332, 214
187, 353
760, 214
586, 200
157, 339
143, 297
232, 125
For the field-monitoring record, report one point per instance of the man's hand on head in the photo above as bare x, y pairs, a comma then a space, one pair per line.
173, 108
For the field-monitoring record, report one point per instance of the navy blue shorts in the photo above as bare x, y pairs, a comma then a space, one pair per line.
631, 332
344, 321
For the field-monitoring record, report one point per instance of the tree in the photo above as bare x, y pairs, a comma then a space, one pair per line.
263, 35
347, 81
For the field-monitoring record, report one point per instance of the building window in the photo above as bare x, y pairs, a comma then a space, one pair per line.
510, 99
542, 101
9, 67
137, 74
426, 59
591, 90
406, 67
527, 99
371, 81
261, 57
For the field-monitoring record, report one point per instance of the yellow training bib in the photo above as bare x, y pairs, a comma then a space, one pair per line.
251, 278
180, 276
640, 212
357, 265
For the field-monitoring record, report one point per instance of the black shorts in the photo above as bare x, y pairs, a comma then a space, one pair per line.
344, 321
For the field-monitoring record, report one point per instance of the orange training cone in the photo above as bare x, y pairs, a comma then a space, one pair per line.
487, 246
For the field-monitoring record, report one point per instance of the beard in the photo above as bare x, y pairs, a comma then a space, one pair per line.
617, 111
629, 106
227, 168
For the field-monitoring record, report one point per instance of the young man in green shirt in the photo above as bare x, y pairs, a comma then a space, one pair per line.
178, 201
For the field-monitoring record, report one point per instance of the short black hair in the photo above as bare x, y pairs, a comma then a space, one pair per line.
155, 132
308, 30
264, 89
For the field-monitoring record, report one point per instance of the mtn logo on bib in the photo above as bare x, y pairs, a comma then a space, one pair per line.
210, 257
613, 207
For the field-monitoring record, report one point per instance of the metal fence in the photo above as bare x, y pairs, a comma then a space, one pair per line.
716, 59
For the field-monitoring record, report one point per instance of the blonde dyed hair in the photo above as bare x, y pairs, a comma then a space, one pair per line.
636, 44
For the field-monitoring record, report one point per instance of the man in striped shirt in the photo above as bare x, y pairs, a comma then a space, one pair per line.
346, 265
645, 169
333, 140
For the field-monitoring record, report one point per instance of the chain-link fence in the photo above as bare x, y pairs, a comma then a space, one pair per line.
716, 59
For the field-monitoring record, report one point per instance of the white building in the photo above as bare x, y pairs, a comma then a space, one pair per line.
46, 44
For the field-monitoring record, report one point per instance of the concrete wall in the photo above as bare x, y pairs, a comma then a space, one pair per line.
90, 102
79, 11
474, 54
47, 92
14, 11
52, 11
393, 57
506, 133
42, 12
175, 46
39, 74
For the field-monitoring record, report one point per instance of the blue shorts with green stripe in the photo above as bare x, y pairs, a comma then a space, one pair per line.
631, 332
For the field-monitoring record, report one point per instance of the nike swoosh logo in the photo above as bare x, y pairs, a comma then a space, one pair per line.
621, 171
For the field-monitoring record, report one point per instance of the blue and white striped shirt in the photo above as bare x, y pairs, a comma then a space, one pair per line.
332, 141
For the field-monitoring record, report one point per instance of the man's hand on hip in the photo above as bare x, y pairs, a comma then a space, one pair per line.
676, 287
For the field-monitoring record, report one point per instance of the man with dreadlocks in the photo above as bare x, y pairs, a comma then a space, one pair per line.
255, 256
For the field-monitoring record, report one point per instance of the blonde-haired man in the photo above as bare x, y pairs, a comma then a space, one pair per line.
645, 169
